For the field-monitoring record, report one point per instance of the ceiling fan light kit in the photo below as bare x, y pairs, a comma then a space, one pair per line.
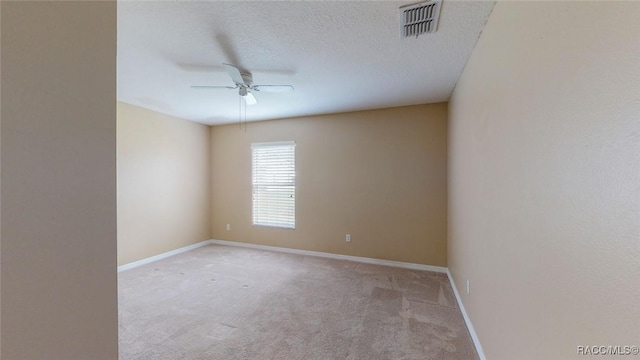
244, 84
248, 96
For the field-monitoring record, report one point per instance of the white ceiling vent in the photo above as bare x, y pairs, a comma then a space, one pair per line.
420, 18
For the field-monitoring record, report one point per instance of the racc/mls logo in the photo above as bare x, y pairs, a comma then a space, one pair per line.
608, 350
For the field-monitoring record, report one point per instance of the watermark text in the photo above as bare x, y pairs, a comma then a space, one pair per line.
607, 350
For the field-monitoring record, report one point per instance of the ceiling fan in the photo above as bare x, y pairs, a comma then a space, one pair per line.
244, 84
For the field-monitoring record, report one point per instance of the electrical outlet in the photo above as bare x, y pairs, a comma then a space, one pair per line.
348, 238
468, 287
228, 227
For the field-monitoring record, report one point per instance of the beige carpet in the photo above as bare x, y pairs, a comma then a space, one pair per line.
227, 303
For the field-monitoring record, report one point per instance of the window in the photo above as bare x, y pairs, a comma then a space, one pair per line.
274, 184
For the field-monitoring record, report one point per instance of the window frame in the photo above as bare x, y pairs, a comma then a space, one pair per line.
258, 218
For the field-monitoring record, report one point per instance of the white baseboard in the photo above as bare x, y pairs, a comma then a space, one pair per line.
467, 320
162, 256
365, 260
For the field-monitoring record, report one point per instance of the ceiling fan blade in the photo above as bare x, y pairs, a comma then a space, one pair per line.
212, 87
273, 88
250, 99
234, 72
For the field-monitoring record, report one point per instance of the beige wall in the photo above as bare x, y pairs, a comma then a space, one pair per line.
544, 207
59, 288
0, 181
379, 175
163, 183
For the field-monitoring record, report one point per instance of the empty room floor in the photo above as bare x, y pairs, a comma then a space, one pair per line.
227, 303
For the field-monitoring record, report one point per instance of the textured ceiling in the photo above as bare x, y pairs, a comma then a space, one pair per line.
339, 56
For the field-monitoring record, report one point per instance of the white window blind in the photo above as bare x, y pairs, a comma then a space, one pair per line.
274, 184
